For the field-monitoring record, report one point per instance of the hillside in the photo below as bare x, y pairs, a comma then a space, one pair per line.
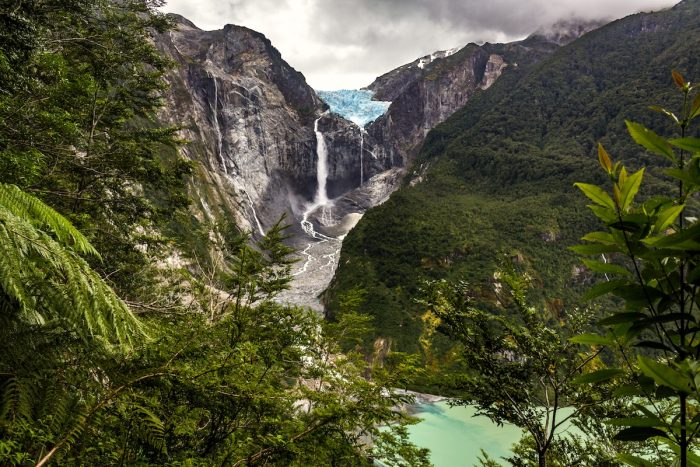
496, 178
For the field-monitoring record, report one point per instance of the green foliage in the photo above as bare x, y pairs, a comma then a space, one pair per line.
78, 123
655, 246
497, 176
43, 281
52, 307
226, 376
519, 366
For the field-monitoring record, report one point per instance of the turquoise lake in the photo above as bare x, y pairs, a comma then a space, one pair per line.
455, 437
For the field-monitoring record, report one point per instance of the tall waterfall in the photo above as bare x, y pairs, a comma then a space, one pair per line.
321, 166
215, 116
321, 197
362, 153
255, 214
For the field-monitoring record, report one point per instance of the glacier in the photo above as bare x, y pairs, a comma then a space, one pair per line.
355, 105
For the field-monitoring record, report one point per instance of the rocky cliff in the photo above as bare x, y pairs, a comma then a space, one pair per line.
249, 117
254, 128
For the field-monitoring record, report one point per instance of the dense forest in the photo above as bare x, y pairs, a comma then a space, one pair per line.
133, 334
497, 177
109, 356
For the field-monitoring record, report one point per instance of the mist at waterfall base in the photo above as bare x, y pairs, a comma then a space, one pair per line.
355, 105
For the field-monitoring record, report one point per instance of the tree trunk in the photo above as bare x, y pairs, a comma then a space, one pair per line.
542, 458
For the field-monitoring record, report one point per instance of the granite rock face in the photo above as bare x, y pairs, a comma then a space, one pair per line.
250, 119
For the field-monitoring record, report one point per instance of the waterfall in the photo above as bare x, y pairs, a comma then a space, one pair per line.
362, 148
215, 117
321, 166
321, 197
255, 214
220, 149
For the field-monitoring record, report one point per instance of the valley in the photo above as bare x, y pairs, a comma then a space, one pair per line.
490, 251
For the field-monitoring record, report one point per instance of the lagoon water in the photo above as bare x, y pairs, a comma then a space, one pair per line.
455, 437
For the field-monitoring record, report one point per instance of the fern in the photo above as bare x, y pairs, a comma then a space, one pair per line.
45, 280
149, 428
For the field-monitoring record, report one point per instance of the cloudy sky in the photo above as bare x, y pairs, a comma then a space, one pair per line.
347, 43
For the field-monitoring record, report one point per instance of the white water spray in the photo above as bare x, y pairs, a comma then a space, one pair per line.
321, 166
320, 200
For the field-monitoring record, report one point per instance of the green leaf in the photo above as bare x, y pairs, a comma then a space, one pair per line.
653, 345
596, 194
635, 461
619, 318
695, 109
667, 217
650, 140
630, 188
594, 249
607, 215
638, 434
633, 227
605, 268
694, 276
604, 159
680, 240
592, 339
598, 376
682, 175
664, 375
600, 237
668, 113
689, 144
628, 390
649, 422
603, 288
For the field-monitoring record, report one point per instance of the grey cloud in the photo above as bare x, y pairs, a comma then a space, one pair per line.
346, 43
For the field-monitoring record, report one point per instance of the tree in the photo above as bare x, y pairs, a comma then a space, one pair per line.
80, 85
655, 272
521, 367
50, 301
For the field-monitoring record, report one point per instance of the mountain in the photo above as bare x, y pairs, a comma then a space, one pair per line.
425, 92
266, 144
254, 127
496, 178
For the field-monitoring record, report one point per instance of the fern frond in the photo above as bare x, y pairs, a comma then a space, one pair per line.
15, 400
40, 215
149, 428
42, 273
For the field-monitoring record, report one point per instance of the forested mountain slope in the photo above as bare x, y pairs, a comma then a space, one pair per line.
497, 177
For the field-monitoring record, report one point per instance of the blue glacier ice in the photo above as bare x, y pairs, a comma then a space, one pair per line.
355, 104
